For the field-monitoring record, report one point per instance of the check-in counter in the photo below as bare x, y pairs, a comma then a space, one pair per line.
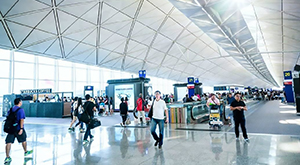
55, 108
46, 109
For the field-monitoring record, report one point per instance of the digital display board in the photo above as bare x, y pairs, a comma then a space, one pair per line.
123, 91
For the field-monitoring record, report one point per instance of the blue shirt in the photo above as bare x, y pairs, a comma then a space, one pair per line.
20, 115
230, 100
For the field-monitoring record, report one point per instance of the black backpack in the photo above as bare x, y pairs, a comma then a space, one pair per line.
10, 125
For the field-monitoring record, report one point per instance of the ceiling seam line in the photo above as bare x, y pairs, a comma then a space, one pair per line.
11, 8
136, 14
58, 30
35, 28
8, 32
77, 17
160, 65
160, 26
98, 37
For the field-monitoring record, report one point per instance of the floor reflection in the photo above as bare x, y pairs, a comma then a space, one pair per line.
159, 157
117, 145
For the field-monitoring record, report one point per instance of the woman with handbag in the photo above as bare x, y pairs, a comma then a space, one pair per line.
123, 112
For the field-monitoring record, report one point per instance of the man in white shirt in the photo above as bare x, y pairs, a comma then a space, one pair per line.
158, 110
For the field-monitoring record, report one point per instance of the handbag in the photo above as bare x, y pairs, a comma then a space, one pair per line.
94, 123
150, 113
85, 117
128, 121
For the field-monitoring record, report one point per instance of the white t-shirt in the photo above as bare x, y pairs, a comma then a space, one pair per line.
159, 108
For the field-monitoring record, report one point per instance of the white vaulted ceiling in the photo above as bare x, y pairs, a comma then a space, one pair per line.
168, 41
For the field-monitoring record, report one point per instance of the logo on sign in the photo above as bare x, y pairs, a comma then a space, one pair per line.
287, 75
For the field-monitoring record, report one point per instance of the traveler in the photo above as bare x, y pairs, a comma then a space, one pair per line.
20, 133
106, 102
238, 107
185, 98
269, 95
157, 114
123, 111
282, 97
230, 98
111, 101
89, 107
141, 109
77, 113
212, 101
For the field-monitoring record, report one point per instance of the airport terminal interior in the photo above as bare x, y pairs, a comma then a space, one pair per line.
88, 82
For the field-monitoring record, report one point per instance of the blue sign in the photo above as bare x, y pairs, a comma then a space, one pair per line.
142, 73
88, 88
287, 75
191, 80
196, 80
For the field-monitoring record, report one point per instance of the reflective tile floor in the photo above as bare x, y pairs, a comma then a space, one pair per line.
52, 144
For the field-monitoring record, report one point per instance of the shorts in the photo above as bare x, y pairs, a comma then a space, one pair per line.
10, 138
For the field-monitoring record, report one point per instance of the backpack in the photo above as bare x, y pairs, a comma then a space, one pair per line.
85, 117
11, 126
78, 111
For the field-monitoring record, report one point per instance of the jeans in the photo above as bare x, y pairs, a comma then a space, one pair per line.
221, 111
87, 132
237, 122
161, 125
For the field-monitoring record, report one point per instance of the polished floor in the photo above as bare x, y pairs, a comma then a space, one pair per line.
53, 144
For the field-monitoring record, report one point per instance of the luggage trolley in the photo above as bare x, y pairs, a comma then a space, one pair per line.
214, 117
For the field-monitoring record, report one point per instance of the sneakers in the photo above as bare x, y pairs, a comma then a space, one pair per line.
246, 140
85, 142
156, 143
81, 130
92, 138
159, 147
7, 160
28, 153
121, 124
237, 139
71, 129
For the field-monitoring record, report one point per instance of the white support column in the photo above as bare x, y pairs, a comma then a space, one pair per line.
56, 76
74, 79
36, 73
11, 72
88, 76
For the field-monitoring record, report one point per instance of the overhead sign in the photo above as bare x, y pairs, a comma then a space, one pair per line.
142, 73
33, 91
191, 80
287, 75
88, 88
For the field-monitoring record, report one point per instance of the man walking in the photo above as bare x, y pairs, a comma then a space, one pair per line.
158, 109
141, 109
238, 107
89, 107
20, 134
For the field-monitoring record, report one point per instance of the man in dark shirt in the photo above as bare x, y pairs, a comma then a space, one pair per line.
89, 107
238, 107
230, 99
